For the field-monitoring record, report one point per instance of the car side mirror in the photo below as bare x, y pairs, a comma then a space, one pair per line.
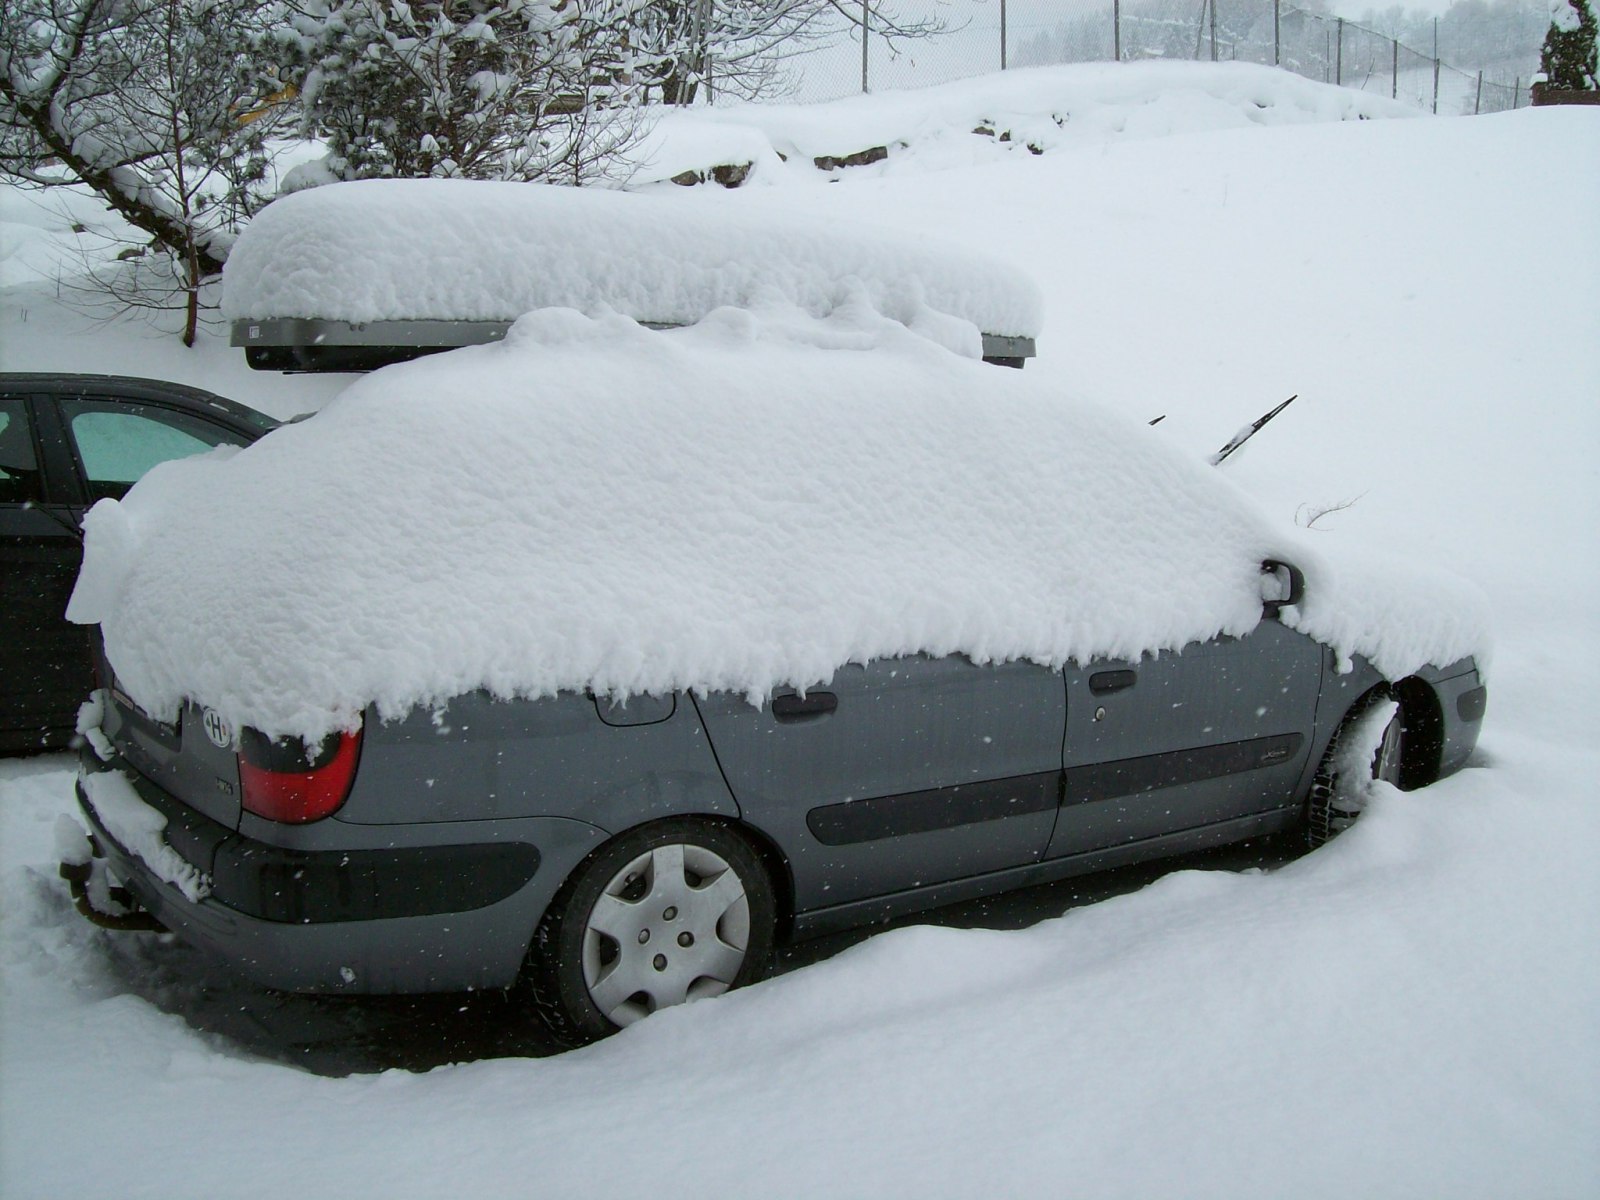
1289, 580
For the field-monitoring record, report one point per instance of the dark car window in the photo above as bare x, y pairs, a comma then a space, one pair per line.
19, 466
117, 442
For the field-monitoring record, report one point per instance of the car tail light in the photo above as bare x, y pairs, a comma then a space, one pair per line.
283, 779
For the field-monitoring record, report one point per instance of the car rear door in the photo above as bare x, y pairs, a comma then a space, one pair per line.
61, 449
902, 773
115, 440
1219, 731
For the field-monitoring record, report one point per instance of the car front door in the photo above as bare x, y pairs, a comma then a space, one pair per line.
44, 662
1217, 732
902, 773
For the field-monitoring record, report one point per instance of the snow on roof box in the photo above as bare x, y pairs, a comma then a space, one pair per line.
354, 275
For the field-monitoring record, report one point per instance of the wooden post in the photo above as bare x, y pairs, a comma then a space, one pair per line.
1477, 103
1394, 72
1338, 70
1277, 44
1002, 35
1213, 30
1116, 28
1516, 92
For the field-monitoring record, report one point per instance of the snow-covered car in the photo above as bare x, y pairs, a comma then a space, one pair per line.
594, 662
66, 441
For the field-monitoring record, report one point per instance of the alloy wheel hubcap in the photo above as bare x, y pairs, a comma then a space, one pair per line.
672, 925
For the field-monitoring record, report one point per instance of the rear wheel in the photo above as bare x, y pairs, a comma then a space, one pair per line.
1368, 748
665, 914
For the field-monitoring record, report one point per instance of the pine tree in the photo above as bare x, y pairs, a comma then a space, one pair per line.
1567, 59
477, 89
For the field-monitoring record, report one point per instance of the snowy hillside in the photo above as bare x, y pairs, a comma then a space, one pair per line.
1407, 1012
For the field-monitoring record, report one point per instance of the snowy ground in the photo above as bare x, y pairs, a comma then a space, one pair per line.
1413, 1010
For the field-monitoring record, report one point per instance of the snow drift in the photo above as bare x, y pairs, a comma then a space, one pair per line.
749, 502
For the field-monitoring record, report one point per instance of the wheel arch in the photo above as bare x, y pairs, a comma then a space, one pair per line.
773, 860
1422, 725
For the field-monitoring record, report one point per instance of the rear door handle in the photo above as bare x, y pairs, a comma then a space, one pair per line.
1104, 682
792, 709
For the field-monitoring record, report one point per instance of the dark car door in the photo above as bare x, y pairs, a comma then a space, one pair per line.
43, 660
59, 453
1217, 732
902, 773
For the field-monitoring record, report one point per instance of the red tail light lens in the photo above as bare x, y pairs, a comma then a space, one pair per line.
283, 779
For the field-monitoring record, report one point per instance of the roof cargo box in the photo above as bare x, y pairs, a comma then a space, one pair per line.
352, 276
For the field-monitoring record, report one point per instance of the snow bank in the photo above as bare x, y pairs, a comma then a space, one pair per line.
437, 249
749, 502
1037, 109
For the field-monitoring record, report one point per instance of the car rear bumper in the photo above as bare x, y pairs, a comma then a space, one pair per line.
447, 917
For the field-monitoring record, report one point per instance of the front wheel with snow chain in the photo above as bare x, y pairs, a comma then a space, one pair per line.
664, 914
1367, 749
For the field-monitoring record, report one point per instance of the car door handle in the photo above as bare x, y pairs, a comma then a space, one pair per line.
792, 709
1105, 682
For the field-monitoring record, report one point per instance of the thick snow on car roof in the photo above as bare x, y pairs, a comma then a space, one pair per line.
432, 249
745, 503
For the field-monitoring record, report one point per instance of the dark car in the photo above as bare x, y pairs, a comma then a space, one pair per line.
65, 442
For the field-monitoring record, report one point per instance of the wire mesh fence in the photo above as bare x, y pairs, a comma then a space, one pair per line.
981, 36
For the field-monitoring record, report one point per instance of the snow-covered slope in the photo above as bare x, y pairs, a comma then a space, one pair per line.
1408, 1012
1036, 110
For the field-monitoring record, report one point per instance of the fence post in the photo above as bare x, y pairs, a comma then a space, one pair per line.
1213, 30
864, 14
1002, 35
1436, 66
1477, 103
1338, 71
1394, 72
1116, 29
1516, 92
1277, 45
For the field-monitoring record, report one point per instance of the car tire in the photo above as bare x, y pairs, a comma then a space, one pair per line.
675, 911
1368, 748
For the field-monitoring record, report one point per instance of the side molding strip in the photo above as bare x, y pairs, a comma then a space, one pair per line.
938, 808
1130, 776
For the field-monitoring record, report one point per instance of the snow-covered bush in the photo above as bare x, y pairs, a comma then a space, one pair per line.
478, 89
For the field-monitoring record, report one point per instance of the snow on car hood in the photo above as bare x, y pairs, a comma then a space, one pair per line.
745, 503
451, 249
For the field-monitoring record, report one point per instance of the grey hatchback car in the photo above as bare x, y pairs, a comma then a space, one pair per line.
608, 860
